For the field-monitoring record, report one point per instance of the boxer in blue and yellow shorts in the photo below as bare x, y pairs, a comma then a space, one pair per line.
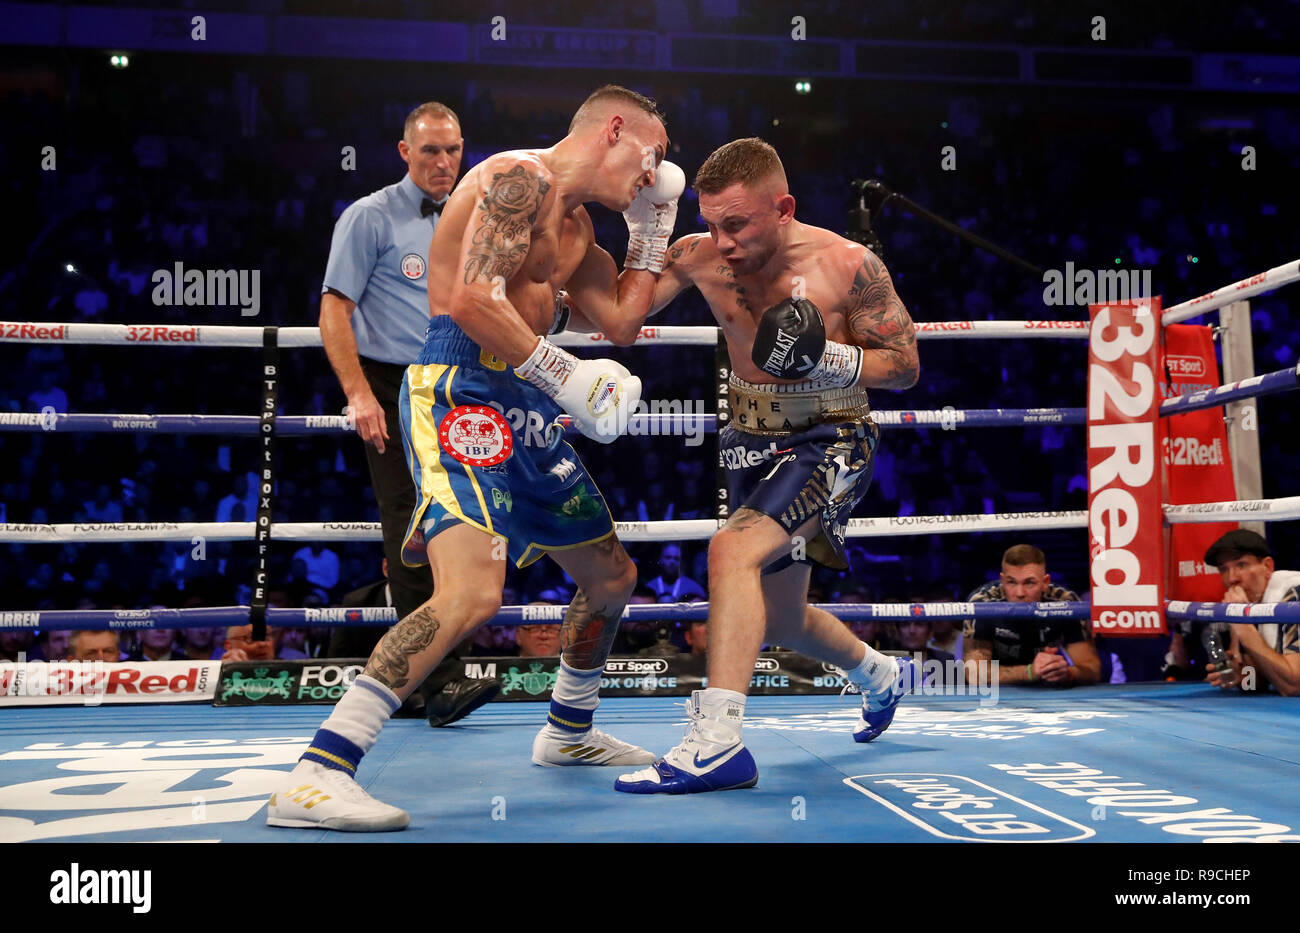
495, 481
485, 449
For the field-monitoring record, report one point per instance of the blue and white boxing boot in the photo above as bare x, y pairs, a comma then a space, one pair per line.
711, 757
878, 706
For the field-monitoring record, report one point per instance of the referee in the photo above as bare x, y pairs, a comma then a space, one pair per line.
374, 313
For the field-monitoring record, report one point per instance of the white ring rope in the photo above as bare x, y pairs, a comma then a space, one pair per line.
228, 335
1247, 288
700, 529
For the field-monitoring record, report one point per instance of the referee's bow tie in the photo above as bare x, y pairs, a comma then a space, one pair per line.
430, 206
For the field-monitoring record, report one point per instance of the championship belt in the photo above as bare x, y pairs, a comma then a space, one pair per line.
787, 409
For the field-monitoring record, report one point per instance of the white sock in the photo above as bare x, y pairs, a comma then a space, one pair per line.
362, 711
574, 700
577, 688
877, 671
724, 714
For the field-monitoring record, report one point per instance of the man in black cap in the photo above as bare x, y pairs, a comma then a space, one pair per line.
1245, 563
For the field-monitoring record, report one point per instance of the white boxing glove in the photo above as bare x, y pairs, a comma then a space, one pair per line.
600, 395
650, 219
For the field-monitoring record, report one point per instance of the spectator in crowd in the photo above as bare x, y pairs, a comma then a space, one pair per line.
670, 585
197, 643
102, 508
291, 644
157, 644
95, 646
321, 565
16, 642
877, 633
241, 647
241, 494
1058, 652
915, 636
635, 634
1245, 563
49, 395
696, 634
539, 639
945, 636
54, 645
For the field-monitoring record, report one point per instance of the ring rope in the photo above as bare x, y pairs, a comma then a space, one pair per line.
1237, 291
230, 335
122, 619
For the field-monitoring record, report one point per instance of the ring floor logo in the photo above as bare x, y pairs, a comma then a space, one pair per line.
989, 723
168, 790
951, 806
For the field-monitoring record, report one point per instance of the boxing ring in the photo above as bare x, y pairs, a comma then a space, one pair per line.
1167, 763
1122, 763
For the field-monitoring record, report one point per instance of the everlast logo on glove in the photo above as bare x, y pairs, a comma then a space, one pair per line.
790, 340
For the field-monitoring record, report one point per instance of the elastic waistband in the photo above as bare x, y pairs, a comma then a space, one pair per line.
787, 409
445, 342
833, 397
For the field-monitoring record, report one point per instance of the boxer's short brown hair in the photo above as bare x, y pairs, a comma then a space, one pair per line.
742, 161
615, 92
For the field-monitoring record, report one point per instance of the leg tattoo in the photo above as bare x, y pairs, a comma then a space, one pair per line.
588, 632
391, 662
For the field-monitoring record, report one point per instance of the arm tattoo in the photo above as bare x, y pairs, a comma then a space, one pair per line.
877, 320
680, 249
505, 219
391, 662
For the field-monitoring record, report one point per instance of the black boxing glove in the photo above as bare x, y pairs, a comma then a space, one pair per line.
791, 344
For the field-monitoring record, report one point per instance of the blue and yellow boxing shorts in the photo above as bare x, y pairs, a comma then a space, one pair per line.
482, 450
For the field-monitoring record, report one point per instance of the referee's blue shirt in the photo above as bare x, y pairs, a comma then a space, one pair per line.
379, 258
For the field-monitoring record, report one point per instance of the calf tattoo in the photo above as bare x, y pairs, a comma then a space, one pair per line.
391, 662
588, 631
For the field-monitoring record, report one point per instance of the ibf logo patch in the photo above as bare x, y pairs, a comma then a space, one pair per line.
476, 435
413, 266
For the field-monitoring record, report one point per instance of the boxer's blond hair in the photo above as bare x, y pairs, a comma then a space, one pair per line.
432, 110
741, 161
593, 106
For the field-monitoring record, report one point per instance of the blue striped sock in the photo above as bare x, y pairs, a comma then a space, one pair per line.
353, 727
333, 751
574, 698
